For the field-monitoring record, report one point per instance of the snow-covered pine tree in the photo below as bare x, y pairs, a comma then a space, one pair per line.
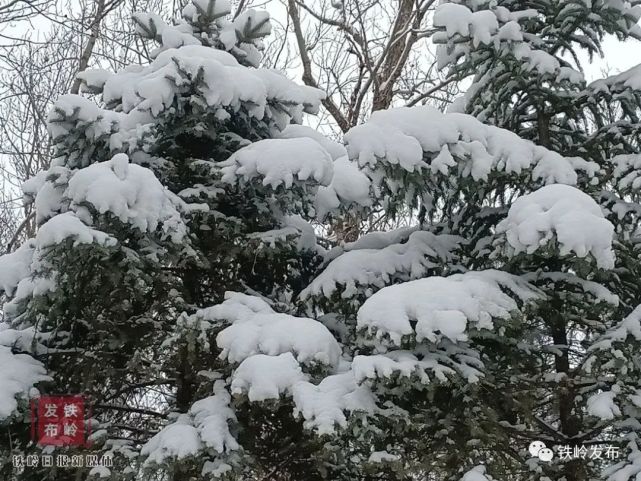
166, 191
524, 59
441, 349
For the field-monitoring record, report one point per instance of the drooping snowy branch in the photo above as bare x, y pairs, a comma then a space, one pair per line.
435, 308
562, 213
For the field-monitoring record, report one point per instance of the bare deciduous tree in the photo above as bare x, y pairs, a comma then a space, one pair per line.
367, 55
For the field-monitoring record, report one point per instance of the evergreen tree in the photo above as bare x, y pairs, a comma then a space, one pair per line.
529, 53
167, 192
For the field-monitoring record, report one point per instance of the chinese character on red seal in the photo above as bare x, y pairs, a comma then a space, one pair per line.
59, 420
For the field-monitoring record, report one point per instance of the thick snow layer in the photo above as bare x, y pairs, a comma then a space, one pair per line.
280, 161
68, 225
257, 329
18, 374
66, 107
349, 185
205, 426
273, 334
294, 131
223, 83
561, 212
211, 417
93, 80
176, 441
205, 22
376, 267
602, 405
267, 377
401, 136
481, 26
130, 193
15, 266
323, 406
443, 307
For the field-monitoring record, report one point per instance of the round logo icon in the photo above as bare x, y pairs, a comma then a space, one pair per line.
538, 449
535, 447
546, 455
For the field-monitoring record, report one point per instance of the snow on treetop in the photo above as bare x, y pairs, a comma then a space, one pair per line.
443, 307
411, 136
280, 161
375, 267
129, 192
153, 88
495, 27
18, 374
273, 334
562, 212
141, 93
210, 9
460, 20
204, 22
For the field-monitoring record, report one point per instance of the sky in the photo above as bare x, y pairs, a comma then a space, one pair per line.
619, 56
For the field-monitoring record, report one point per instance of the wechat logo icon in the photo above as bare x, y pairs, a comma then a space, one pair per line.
538, 449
